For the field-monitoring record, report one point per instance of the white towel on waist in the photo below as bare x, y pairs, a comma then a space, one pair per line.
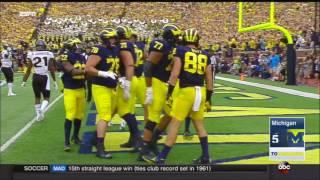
122, 81
48, 83
197, 99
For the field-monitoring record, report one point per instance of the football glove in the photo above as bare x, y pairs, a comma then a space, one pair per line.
208, 100
169, 96
107, 74
207, 106
149, 96
169, 102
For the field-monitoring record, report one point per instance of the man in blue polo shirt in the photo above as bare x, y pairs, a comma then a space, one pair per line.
274, 62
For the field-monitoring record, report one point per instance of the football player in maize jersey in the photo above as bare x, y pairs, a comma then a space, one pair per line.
42, 61
73, 80
127, 84
157, 71
192, 67
140, 43
102, 66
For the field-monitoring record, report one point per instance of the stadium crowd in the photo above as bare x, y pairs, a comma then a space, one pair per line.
250, 53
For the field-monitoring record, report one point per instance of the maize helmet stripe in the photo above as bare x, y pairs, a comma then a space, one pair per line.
126, 30
108, 33
195, 35
191, 35
176, 30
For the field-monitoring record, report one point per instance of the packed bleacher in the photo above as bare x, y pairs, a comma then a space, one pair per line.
18, 20
217, 22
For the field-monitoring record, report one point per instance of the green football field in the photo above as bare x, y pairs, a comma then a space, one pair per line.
238, 127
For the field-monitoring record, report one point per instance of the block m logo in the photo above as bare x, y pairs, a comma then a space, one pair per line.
295, 137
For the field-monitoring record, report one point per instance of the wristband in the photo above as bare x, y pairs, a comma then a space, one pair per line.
209, 94
170, 90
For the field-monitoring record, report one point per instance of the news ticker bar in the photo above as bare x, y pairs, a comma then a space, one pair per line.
63, 168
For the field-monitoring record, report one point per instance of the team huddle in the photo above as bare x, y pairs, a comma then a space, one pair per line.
171, 77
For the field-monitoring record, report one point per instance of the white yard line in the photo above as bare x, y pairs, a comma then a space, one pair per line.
26, 127
274, 88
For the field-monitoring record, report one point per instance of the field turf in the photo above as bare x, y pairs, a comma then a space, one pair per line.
238, 127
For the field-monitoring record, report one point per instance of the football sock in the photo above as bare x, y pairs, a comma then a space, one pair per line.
132, 123
204, 146
77, 125
156, 134
100, 144
100, 140
44, 104
10, 85
165, 151
67, 129
187, 124
37, 108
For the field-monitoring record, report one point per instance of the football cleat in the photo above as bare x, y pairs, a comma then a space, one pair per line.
133, 142
67, 147
128, 144
187, 135
40, 116
11, 94
202, 160
76, 140
104, 155
109, 123
150, 158
143, 152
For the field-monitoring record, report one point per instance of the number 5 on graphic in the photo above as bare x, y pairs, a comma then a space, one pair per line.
275, 138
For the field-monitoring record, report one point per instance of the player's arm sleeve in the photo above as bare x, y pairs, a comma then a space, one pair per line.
124, 46
156, 46
178, 52
64, 57
51, 56
95, 51
29, 55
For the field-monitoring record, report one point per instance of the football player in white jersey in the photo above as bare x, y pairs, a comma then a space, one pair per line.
6, 68
43, 62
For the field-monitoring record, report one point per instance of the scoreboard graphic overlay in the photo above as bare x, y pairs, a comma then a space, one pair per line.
287, 138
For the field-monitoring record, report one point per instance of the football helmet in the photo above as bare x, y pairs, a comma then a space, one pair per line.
72, 44
124, 32
106, 35
170, 32
40, 45
191, 36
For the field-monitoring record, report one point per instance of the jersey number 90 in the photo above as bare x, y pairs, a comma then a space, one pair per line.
195, 63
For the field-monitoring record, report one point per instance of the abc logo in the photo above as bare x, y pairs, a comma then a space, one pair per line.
284, 167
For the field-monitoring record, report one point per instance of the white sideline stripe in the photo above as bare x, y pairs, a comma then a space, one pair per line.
26, 127
274, 88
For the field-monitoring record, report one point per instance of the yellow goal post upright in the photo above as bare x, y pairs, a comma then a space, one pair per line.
271, 25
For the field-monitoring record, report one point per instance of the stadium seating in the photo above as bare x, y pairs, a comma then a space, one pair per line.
15, 27
217, 22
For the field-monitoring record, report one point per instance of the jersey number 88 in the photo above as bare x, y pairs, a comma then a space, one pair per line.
195, 63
